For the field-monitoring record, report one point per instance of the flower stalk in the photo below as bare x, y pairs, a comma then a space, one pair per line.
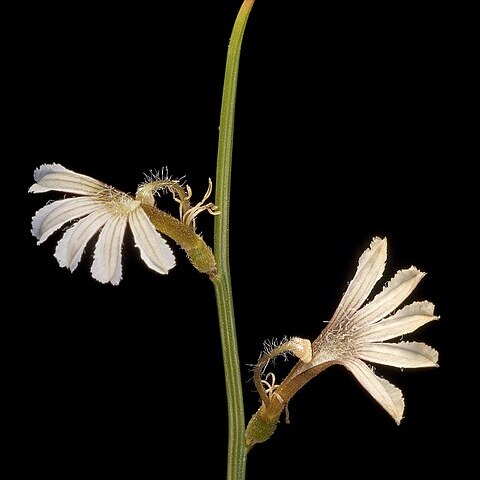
237, 453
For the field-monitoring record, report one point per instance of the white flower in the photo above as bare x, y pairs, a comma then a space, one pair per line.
99, 207
358, 332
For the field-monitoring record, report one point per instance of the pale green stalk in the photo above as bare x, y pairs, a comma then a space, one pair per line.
237, 453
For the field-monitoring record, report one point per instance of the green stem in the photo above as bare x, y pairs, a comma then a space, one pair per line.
237, 453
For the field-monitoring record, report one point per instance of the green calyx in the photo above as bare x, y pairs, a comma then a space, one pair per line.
198, 252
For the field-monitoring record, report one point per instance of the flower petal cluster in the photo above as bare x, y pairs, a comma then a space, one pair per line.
97, 207
359, 331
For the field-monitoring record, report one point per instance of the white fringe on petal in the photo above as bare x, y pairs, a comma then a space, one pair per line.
71, 246
51, 217
406, 320
107, 264
400, 355
387, 395
370, 269
391, 297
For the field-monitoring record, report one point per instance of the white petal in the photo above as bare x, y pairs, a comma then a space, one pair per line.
71, 246
153, 248
107, 264
406, 320
370, 269
55, 214
386, 394
56, 177
392, 295
401, 355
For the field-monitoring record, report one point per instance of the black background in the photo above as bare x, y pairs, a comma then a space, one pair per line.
344, 131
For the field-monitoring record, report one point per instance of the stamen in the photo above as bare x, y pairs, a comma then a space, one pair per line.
183, 199
188, 217
271, 387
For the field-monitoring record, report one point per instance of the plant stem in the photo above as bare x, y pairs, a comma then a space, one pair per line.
237, 453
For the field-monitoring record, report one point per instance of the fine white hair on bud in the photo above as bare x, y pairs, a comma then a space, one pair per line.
157, 182
299, 347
